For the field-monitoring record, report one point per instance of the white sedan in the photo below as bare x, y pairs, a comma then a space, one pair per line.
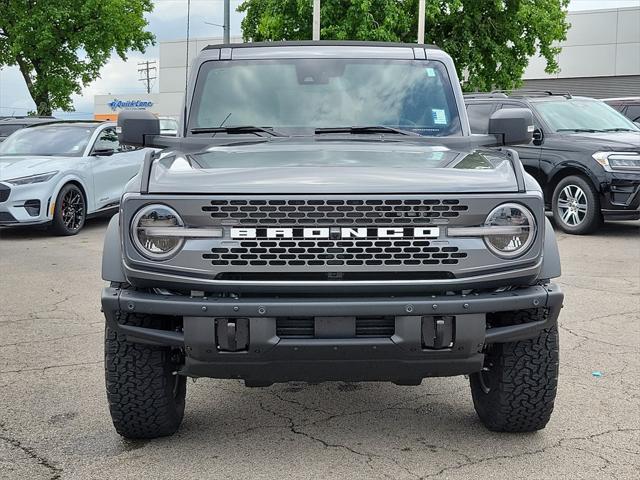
59, 173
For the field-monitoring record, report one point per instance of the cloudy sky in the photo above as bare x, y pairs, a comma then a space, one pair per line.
168, 22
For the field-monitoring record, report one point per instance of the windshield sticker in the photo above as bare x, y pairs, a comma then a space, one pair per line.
431, 72
437, 155
439, 116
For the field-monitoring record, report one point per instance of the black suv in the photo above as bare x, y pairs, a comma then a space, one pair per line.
8, 125
628, 106
585, 155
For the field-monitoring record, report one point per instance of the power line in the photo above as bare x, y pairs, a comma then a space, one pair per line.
146, 69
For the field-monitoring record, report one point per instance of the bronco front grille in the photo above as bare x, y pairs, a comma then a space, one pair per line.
333, 212
324, 253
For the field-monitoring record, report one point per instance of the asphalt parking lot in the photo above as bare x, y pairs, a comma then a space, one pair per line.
54, 421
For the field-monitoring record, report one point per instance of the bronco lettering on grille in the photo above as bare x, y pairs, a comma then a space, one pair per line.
336, 232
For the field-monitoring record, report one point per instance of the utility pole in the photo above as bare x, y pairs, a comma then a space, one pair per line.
421, 14
226, 35
316, 20
145, 70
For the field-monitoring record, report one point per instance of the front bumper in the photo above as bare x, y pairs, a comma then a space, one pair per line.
268, 358
25, 204
621, 197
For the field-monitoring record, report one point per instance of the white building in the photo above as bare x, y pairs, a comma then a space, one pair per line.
600, 58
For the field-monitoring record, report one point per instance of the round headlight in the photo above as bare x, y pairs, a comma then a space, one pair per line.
518, 233
150, 235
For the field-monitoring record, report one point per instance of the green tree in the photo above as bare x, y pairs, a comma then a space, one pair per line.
61, 45
490, 40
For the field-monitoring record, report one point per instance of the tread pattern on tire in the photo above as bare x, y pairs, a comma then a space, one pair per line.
140, 384
523, 383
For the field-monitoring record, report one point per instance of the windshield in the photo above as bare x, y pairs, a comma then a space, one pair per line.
582, 114
305, 94
48, 140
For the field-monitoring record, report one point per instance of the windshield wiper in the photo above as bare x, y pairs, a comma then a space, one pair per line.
238, 130
365, 130
620, 130
587, 130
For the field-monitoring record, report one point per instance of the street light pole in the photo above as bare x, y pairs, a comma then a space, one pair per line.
226, 22
316, 20
421, 14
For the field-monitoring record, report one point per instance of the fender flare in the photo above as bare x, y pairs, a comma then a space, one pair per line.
551, 267
112, 253
577, 166
66, 179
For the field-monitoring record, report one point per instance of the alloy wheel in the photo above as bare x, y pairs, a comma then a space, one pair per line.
572, 205
72, 210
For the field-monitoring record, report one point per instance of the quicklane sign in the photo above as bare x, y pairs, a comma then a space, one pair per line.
129, 104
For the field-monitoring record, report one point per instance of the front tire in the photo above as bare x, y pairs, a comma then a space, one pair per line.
516, 390
146, 397
576, 206
70, 211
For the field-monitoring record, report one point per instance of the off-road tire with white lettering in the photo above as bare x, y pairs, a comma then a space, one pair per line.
146, 397
517, 389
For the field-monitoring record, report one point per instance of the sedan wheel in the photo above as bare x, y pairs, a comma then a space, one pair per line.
70, 211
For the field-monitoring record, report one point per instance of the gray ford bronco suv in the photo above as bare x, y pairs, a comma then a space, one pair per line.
325, 214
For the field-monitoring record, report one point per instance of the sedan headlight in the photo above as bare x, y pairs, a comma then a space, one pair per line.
40, 178
508, 231
153, 232
618, 160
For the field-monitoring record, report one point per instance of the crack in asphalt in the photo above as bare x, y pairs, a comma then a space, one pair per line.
49, 340
557, 444
56, 473
394, 406
596, 340
43, 369
368, 457
605, 290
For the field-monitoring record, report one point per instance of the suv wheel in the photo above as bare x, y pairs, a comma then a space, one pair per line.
516, 389
146, 398
576, 207
70, 211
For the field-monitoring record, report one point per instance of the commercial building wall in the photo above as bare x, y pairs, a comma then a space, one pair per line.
173, 71
599, 58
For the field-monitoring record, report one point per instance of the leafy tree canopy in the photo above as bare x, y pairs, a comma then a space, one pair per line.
490, 40
61, 45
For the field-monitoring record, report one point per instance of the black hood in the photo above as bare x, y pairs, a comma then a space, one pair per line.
603, 141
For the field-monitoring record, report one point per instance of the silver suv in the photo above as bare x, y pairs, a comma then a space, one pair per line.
325, 214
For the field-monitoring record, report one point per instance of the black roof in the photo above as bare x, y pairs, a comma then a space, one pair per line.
321, 43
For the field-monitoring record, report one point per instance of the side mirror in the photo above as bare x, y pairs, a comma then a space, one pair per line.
134, 126
513, 125
537, 136
103, 152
